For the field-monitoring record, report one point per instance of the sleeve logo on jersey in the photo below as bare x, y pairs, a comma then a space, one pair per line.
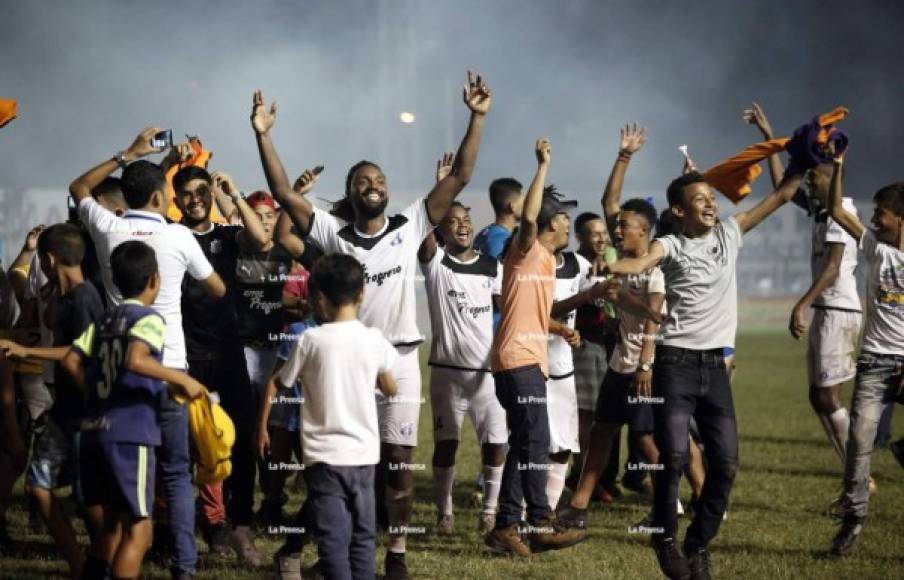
380, 277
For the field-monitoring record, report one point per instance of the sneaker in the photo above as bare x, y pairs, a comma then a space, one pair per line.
396, 569
844, 540
698, 560
671, 561
549, 534
897, 449
217, 538
572, 518
486, 522
506, 542
445, 525
288, 566
243, 543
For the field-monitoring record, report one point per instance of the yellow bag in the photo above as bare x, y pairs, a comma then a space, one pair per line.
213, 434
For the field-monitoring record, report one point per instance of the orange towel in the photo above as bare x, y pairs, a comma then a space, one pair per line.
199, 158
7, 111
733, 176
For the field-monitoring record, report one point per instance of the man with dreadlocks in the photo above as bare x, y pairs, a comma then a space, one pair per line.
387, 247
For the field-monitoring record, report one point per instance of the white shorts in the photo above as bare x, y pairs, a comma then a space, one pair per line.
589, 371
562, 408
455, 392
399, 414
832, 349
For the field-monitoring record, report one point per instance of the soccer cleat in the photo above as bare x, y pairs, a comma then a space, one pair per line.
486, 522
851, 528
396, 569
243, 544
671, 561
549, 534
698, 561
572, 518
507, 542
445, 525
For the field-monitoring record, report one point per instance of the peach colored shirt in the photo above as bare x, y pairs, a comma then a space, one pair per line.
528, 287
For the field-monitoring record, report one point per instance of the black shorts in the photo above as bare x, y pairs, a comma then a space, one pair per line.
618, 404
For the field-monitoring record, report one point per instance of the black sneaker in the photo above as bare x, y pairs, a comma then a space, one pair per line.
698, 559
897, 449
851, 527
671, 561
395, 567
572, 518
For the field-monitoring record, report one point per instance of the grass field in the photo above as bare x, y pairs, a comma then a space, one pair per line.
775, 528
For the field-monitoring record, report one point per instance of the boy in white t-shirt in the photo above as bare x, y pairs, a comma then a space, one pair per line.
340, 433
880, 366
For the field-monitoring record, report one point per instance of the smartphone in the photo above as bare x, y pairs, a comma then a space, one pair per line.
317, 170
163, 139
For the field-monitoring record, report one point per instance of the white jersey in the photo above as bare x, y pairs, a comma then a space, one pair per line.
572, 276
626, 354
178, 253
884, 328
702, 287
842, 293
460, 297
390, 265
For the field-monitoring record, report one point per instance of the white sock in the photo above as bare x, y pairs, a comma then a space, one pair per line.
398, 510
443, 480
841, 424
492, 481
555, 483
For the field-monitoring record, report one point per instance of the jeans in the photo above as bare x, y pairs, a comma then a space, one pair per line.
225, 373
342, 510
693, 383
260, 362
874, 390
174, 470
522, 393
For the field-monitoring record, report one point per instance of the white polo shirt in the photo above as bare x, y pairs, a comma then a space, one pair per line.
177, 252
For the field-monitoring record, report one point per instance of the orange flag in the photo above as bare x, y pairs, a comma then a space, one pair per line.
199, 158
7, 111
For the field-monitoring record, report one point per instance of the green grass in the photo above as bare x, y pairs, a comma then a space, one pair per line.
775, 528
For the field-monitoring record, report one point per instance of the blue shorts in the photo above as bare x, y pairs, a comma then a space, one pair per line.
617, 404
120, 475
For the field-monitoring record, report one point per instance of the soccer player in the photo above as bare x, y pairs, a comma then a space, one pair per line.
880, 366
387, 247
119, 362
689, 372
520, 369
507, 200
461, 287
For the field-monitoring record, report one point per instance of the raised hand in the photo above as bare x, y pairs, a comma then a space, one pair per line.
477, 95
305, 182
444, 165
756, 116
543, 150
222, 182
262, 118
141, 146
31, 238
632, 138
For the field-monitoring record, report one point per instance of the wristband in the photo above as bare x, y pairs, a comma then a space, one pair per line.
624, 155
120, 159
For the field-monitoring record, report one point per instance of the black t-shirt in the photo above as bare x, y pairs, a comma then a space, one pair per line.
75, 312
259, 281
210, 323
91, 268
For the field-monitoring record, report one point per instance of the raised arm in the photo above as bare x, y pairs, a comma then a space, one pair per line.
747, 220
631, 140
478, 98
845, 219
253, 234
756, 116
81, 188
299, 208
287, 238
638, 265
527, 230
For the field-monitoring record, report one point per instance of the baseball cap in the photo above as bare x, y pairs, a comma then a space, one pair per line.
260, 198
552, 205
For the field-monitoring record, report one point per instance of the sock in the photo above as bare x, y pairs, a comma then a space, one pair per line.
398, 509
841, 424
443, 480
492, 481
555, 483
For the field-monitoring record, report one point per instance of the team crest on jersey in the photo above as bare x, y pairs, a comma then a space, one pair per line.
397, 240
406, 429
216, 246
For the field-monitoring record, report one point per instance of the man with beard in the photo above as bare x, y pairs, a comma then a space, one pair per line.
387, 247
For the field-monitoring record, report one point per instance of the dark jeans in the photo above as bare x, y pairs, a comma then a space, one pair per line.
174, 470
341, 509
693, 383
225, 373
522, 393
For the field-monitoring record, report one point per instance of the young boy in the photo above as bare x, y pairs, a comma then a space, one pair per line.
880, 367
340, 434
119, 363
61, 249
